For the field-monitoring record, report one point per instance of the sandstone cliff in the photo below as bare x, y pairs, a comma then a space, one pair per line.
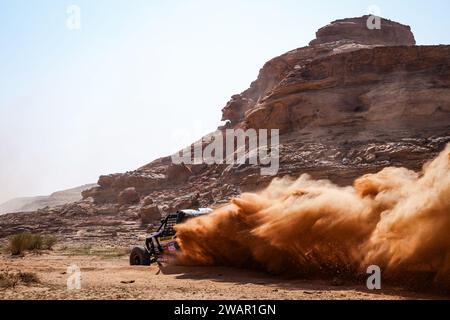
354, 101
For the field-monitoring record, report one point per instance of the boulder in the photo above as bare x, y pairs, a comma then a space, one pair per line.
105, 181
128, 196
147, 201
149, 214
178, 173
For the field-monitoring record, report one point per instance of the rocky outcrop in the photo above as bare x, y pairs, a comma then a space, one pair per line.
143, 181
178, 173
149, 214
356, 29
128, 196
365, 86
352, 102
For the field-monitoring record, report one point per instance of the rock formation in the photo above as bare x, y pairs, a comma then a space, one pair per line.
355, 29
352, 102
29, 204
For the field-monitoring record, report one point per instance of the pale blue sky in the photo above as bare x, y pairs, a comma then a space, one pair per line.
142, 78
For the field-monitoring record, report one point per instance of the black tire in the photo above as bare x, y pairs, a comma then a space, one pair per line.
139, 257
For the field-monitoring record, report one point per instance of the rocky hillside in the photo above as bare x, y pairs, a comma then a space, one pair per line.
28, 204
354, 101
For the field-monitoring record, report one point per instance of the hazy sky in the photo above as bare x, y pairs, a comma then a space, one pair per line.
143, 78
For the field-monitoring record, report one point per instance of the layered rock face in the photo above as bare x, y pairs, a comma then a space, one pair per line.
357, 30
399, 84
352, 102
341, 36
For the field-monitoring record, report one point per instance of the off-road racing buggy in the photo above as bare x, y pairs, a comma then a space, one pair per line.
163, 241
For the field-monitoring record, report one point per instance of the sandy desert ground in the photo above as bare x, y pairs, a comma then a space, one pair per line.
105, 274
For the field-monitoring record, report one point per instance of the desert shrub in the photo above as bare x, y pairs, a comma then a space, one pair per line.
24, 241
8, 280
27, 241
48, 242
28, 277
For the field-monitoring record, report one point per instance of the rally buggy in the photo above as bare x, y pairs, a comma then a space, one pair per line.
163, 241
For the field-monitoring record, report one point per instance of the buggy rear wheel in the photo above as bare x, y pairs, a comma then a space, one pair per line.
139, 257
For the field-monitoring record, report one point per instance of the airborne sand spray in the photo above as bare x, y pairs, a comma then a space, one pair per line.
396, 219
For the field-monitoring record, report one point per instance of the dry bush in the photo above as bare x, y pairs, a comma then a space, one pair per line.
28, 277
24, 241
48, 242
27, 241
10, 279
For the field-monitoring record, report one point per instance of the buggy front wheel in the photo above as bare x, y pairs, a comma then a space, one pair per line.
139, 257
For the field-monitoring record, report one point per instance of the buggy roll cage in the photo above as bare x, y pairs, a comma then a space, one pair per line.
166, 229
